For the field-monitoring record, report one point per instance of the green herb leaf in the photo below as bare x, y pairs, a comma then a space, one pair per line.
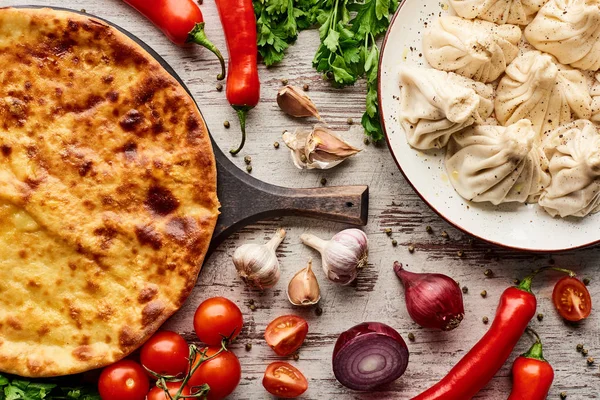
348, 30
332, 41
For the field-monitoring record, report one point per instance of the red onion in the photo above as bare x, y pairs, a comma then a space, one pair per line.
369, 355
433, 300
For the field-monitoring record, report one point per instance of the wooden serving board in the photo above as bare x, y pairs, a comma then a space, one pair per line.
245, 199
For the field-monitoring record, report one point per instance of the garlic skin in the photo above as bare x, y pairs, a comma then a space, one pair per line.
294, 102
303, 289
342, 256
320, 148
257, 265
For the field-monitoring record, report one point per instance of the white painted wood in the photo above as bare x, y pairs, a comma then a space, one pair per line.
377, 296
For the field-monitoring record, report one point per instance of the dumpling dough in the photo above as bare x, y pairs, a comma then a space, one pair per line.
570, 31
497, 164
435, 104
537, 88
476, 49
573, 151
595, 92
519, 12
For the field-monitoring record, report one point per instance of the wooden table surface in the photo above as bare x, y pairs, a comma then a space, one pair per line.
377, 294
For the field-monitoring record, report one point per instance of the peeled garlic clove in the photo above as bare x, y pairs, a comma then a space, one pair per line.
295, 103
303, 289
342, 256
319, 149
257, 265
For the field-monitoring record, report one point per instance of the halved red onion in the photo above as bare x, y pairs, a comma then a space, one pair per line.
369, 355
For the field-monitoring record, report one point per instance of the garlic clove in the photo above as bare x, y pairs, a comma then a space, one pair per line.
320, 148
342, 256
295, 103
325, 145
303, 289
257, 265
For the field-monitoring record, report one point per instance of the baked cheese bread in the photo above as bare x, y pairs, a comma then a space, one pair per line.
107, 193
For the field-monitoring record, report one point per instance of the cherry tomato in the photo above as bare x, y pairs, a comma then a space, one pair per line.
123, 380
217, 318
283, 380
157, 393
222, 374
572, 299
286, 334
165, 353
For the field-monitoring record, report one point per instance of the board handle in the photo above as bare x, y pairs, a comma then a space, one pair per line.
245, 199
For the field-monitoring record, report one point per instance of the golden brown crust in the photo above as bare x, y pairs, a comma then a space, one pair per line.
107, 193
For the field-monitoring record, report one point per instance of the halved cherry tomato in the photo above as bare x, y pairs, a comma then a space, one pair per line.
283, 380
217, 318
123, 380
165, 353
286, 334
222, 374
157, 393
572, 299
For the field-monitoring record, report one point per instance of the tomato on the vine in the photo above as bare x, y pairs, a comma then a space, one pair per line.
165, 353
157, 393
123, 380
283, 380
572, 299
221, 373
217, 318
286, 334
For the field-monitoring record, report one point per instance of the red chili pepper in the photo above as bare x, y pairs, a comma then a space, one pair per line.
532, 374
243, 86
515, 310
180, 20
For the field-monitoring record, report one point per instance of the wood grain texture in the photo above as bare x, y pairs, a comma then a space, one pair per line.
377, 295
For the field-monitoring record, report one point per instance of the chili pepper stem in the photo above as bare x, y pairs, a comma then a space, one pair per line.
241, 112
525, 284
535, 351
198, 36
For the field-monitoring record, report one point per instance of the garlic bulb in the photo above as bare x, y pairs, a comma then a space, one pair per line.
320, 148
257, 264
295, 103
343, 255
303, 289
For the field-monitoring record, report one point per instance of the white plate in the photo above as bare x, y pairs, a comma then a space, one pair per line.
517, 226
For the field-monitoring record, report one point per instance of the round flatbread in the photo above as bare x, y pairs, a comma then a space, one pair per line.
107, 193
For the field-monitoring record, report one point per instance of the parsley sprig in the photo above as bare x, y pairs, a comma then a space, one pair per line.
348, 30
15, 388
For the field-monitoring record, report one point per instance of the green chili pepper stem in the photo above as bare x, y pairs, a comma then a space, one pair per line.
241, 111
526, 283
198, 36
535, 352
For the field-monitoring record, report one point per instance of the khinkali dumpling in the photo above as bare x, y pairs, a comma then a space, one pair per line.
595, 92
476, 49
569, 30
573, 152
497, 164
537, 88
435, 104
519, 12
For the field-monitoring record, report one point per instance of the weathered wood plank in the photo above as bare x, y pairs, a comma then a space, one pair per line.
377, 295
